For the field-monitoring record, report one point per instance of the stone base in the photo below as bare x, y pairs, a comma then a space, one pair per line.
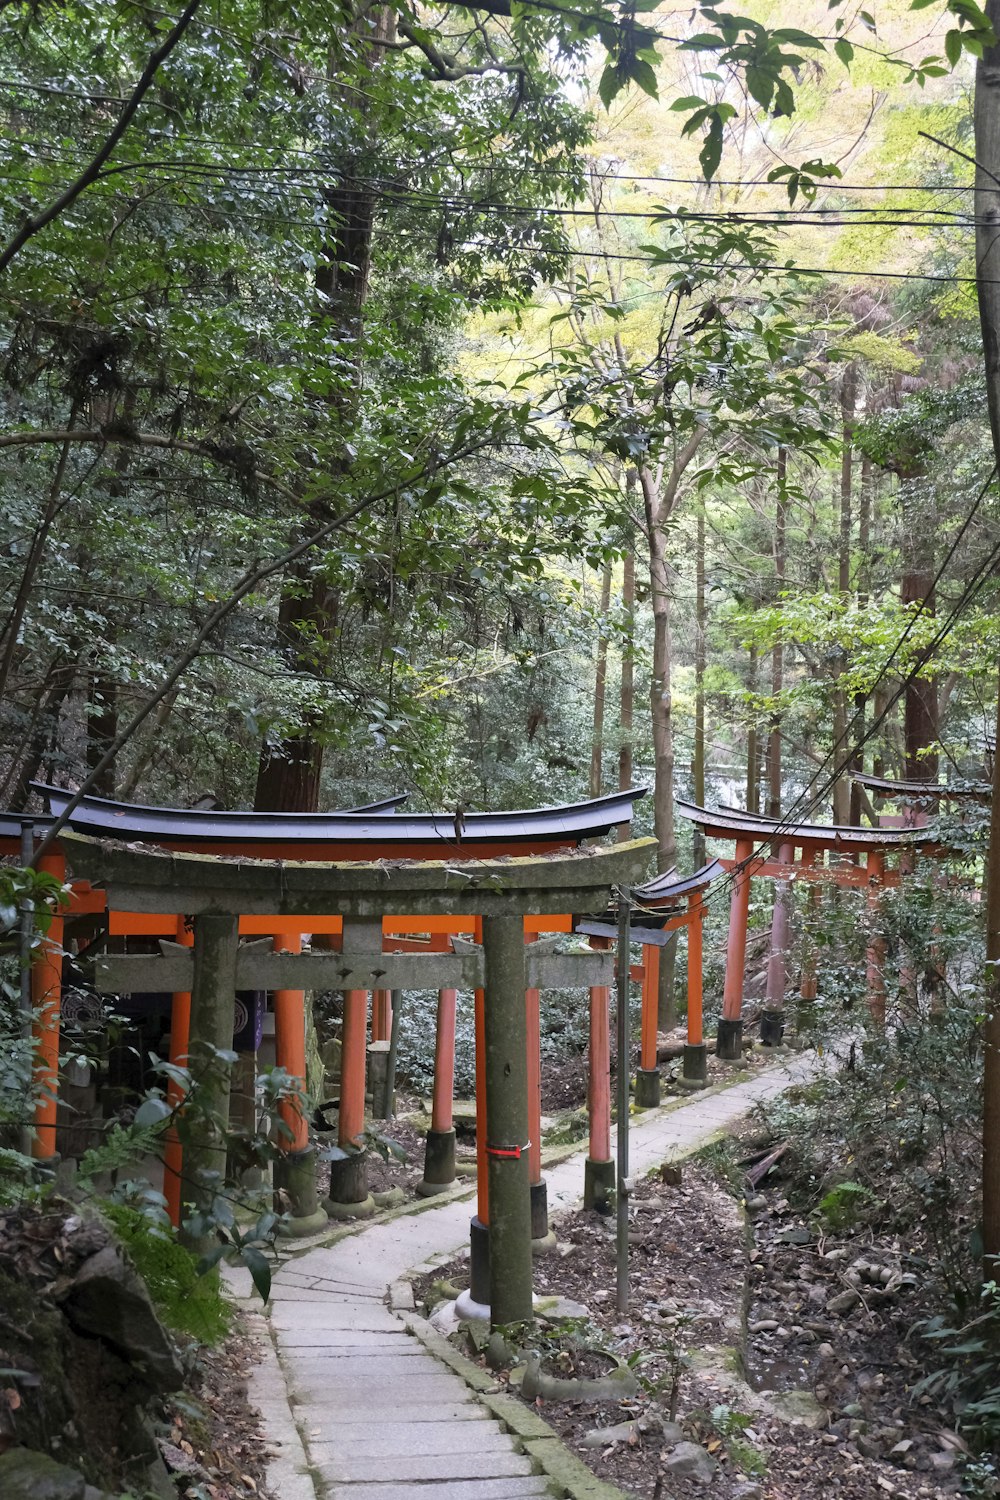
772, 1028
362, 1210
295, 1177
543, 1238
349, 1179
598, 1184
729, 1043
466, 1307
647, 1088
695, 1065
479, 1264
378, 1080
294, 1228
439, 1163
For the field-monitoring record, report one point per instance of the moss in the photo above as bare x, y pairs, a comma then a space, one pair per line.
184, 1300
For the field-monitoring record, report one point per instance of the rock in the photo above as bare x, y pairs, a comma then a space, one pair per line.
844, 1301
800, 1408
601, 1437
868, 1447
747, 1491
107, 1300
826, 1351
690, 1461
27, 1475
499, 1354
391, 1198
671, 1174
671, 1433
445, 1319
797, 1235
559, 1309
764, 1325
757, 1204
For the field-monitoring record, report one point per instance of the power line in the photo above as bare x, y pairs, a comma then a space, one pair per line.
806, 803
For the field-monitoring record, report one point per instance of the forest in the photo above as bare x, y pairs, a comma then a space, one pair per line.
493, 407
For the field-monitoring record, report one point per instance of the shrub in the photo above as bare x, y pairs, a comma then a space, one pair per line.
184, 1300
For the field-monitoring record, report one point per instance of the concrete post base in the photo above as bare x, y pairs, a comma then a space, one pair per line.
543, 1238
647, 1088
694, 1068
772, 1028
339, 1211
295, 1178
439, 1163
348, 1185
729, 1044
479, 1263
598, 1184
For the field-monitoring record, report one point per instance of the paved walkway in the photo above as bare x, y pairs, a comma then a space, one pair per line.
380, 1417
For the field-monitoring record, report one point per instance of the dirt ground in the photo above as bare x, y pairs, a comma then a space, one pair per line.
729, 1316
213, 1444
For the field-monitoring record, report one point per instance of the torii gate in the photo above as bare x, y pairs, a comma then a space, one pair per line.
216, 891
376, 830
767, 846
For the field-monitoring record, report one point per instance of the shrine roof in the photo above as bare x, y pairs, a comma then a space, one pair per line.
932, 790
670, 886
377, 824
728, 823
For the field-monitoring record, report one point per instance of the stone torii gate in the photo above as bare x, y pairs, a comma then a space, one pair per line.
216, 891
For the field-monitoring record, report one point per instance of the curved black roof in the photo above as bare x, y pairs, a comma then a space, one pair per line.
123, 820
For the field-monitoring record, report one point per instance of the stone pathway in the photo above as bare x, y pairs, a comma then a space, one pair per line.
380, 1417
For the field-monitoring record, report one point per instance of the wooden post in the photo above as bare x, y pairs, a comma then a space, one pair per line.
213, 998
875, 957
695, 1065
599, 1169
647, 1076
290, 1047
381, 1015
479, 1255
809, 979
772, 1024
439, 1150
991, 1035
624, 1031
542, 1238
46, 1002
729, 1046
180, 1032
295, 1168
507, 1121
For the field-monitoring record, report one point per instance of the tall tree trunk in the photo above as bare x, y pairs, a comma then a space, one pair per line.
102, 729
863, 584
627, 698
700, 657
753, 744
56, 690
778, 651
920, 722
600, 687
290, 772
987, 211
848, 406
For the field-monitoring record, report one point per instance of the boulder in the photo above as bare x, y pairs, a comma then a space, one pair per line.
27, 1475
107, 1300
691, 1461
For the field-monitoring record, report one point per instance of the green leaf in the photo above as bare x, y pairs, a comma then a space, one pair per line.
690, 101
260, 1270
610, 85
711, 152
953, 46
844, 51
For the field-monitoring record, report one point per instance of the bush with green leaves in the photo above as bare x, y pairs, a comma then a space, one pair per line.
186, 1299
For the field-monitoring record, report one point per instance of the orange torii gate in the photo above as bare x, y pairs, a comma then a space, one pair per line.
375, 832
805, 851
666, 905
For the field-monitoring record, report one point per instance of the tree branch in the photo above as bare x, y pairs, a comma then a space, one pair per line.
91, 172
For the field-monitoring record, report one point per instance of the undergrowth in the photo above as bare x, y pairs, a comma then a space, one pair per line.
184, 1300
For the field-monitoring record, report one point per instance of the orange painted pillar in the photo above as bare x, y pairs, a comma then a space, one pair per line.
180, 1033
290, 1048
650, 1003
729, 1044
875, 956
46, 1002
479, 1245
444, 1062
532, 1006
694, 1068
772, 1022
599, 1169
381, 1015
352, 1067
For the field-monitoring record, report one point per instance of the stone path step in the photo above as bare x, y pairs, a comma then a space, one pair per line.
380, 1417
